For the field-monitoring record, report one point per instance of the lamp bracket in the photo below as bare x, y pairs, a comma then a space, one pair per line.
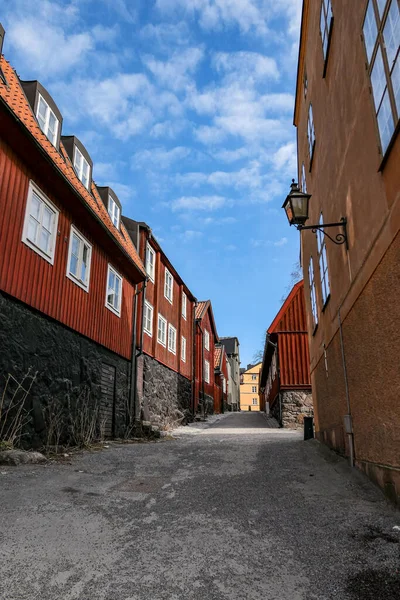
340, 238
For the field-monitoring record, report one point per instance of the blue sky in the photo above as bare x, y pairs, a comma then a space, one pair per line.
186, 109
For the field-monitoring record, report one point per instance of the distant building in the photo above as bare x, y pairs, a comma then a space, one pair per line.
232, 350
221, 380
205, 340
249, 388
285, 384
165, 338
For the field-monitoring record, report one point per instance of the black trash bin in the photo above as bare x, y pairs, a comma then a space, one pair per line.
308, 428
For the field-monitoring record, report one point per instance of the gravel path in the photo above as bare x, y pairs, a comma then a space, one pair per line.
239, 510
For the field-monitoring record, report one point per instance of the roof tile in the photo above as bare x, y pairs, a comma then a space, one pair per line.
13, 95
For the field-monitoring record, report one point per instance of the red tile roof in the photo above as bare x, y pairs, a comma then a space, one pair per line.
13, 95
217, 357
201, 308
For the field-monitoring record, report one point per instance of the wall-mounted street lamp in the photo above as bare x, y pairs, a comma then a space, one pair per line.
296, 208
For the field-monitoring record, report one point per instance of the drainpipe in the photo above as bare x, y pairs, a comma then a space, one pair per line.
194, 361
132, 389
202, 367
348, 424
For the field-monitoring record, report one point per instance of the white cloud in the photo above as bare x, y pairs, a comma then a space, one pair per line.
231, 247
166, 35
231, 156
159, 157
175, 73
189, 235
124, 9
247, 15
268, 243
200, 203
286, 158
249, 67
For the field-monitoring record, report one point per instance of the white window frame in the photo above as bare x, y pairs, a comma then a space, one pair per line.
150, 267
206, 339
171, 347
254, 377
114, 211
111, 307
82, 243
313, 295
254, 389
206, 371
148, 316
168, 289
325, 27
46, 124
303, 179
79, 163
184, 305
255, 402
49, 256
310, 134
383, 63
183, 349
162, 340
323, 263
223, 384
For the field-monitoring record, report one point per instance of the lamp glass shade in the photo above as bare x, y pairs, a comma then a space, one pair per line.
296, 206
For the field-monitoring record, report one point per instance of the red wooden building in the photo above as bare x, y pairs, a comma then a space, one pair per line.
68, 268
285, 384
221, 379
205, 340
165, 332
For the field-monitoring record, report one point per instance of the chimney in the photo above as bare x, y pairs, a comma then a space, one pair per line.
2, 34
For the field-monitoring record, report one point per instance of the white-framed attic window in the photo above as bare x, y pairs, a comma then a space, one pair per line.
150, 262
114, 211
47, 120
81, 167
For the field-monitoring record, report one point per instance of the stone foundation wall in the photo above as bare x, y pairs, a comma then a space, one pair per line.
167, 395
67, 364
295, 406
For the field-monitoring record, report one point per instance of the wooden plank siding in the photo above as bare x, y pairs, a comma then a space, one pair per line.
171, 312
25, 275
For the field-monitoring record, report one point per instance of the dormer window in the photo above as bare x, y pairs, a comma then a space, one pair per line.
113, 211
82, 167
47, 120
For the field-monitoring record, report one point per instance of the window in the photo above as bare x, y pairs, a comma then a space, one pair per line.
323, 263
81, 166
254, 389
162, 331
254, 377
310, 134
79, 258
183, 349
113, 211
171, 339
206, 340
150, 262
114, 291
148, 319
303, 179
255, 401
224, 385
381, 32
313, 297
168, 285
40, 225
47, 120
326, 22
305, 82
206, 371
184, 305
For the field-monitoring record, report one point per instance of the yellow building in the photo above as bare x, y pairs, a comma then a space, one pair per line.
249, 382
